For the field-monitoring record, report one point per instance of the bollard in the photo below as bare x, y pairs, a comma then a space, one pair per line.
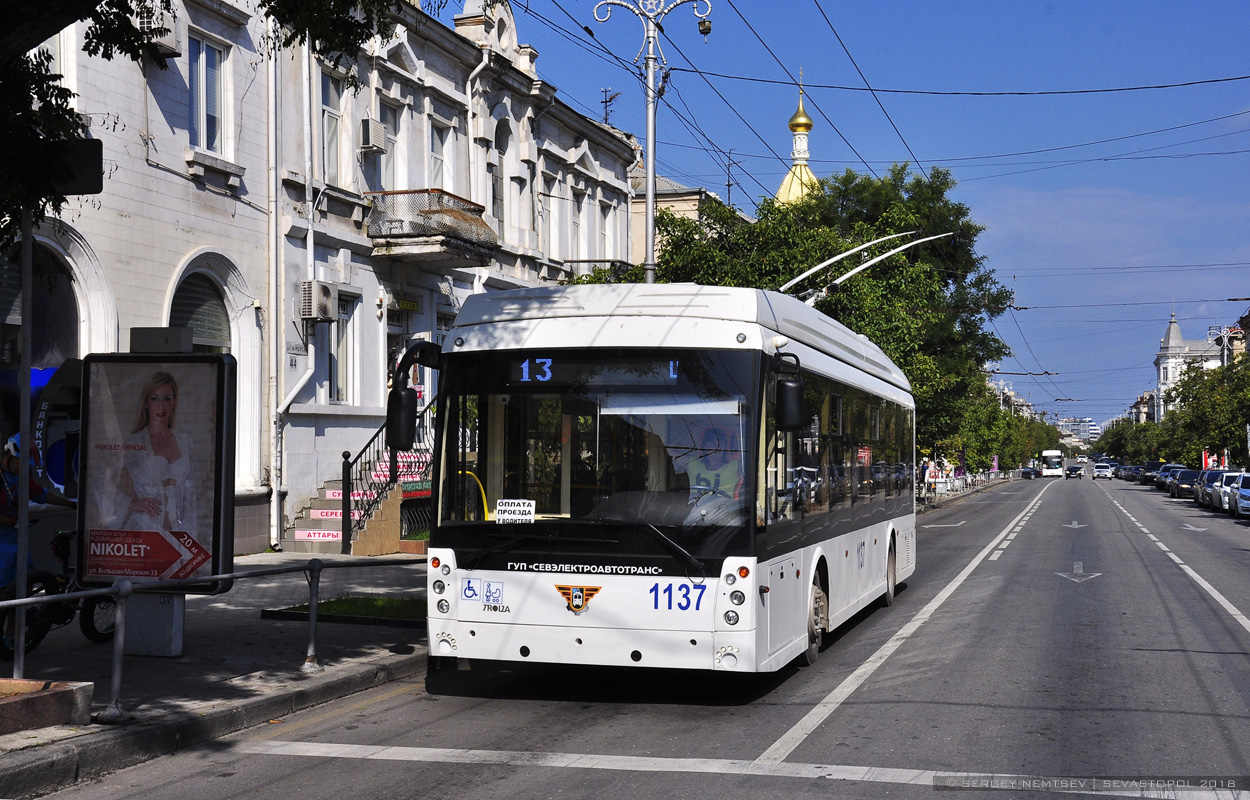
115, 714
311, 666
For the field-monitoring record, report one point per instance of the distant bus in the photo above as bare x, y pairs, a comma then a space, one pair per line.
1052, 463
663, 476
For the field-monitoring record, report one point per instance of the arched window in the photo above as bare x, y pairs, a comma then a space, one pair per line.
55, 335
198, 305
498, 173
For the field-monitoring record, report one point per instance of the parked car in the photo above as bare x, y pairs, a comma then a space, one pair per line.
1150, 471
1102, 470
1029, 473
1240, 500
1074, 471
1206, 482
1220, 496
1165, 472
1181, 482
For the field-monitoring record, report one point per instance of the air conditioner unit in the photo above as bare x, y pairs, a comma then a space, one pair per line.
372, 136
319, 301
168, 44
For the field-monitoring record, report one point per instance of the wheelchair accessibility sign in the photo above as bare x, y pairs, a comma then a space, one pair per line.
488, 593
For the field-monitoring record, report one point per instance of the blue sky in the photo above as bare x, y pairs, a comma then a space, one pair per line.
1101, 208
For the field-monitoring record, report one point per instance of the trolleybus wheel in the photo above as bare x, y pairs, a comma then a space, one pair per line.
891, 582
815, 624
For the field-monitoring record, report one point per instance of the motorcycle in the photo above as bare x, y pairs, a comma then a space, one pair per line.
97, 616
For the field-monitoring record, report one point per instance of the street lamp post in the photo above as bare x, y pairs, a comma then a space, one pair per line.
650, 12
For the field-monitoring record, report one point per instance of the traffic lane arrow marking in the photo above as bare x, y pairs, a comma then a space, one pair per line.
955, 525
1075, 525
1078, 573
1188, 527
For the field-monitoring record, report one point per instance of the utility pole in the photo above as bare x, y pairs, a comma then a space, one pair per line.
729, 178
651, 13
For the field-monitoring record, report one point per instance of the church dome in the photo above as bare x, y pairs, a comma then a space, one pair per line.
800, 122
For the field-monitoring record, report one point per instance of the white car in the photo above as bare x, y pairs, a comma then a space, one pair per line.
1102, 470
1239, 496
1223, 491
1081, 459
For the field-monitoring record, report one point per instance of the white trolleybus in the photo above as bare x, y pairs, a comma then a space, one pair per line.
660, 475
1052, 463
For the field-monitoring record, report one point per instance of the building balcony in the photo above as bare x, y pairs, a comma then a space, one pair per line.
430, 227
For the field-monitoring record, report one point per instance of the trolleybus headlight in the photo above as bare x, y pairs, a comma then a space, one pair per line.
446, 570
439, 587
737, 598
730, 616
730, 579
444, 607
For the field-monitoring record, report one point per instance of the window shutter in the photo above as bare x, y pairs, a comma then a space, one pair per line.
198, 305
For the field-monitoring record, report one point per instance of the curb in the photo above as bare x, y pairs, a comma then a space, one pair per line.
39, 770
952, 499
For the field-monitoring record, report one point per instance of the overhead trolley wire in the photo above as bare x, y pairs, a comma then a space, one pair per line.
786, 69
939, 93
915, 160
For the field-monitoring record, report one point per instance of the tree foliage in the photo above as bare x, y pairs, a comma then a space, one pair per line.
1212, 409
37, 109
928, 307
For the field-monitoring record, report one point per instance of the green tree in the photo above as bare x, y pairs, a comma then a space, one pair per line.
36, 107
1213, 409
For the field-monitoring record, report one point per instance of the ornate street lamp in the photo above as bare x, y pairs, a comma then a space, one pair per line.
650, 12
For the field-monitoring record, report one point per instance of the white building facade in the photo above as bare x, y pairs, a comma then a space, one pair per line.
314, 231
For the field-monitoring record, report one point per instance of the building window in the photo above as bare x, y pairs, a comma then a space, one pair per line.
205, 60
498, 177
342, 344
331, 127
438, 164
389, 115
605, 241
578, 248
1165, 374
198, 305
547, 205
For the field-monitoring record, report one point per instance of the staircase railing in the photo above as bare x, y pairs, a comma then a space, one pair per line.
373, 472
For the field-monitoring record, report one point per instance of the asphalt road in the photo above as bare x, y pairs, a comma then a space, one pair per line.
1058, 630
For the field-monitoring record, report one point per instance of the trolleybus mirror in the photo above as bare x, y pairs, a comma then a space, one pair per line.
790, 404
401, 418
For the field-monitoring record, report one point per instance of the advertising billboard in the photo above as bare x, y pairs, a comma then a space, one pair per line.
156, 500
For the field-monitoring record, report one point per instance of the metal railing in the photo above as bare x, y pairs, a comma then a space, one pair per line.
374, 471
428, 212
122, 589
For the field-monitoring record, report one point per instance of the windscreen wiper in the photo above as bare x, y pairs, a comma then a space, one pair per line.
678, 552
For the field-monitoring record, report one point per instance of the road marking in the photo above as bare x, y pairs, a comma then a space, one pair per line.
1075, 525
708, 766
1188, 527
1232, 610
783, 747
994, 556
1078, 573
956, 525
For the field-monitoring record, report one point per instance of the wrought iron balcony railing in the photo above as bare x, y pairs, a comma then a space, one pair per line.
419, 213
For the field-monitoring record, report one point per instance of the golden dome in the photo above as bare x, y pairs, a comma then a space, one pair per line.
800, 122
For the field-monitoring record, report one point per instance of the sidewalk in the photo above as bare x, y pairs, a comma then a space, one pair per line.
237, 670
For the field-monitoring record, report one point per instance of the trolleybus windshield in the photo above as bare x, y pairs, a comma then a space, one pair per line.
614, 453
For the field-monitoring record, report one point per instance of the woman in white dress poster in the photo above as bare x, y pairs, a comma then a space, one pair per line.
158, 459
